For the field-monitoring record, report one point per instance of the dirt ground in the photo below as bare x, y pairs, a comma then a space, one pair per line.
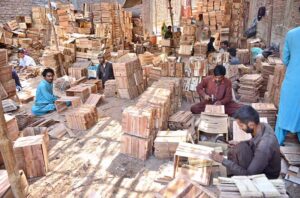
90, 165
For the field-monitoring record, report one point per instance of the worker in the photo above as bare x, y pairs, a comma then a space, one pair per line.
200, 26
259, 155
233, 60
169, 34
216, 90
25, 60
105, 69
289, 106
15, 76
224, 46
210, 46
45, 99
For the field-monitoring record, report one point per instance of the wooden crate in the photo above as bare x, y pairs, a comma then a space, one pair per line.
78, 72
61, 103
12, 127
32, 131
96, 82
78, 90
136, 147
82, 118
32, 155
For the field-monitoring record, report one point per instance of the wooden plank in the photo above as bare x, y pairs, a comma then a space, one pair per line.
246, 187
238, 134
218, 109
264, 186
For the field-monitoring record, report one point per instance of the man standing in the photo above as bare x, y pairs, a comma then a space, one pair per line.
289, 106
25, 60
259, 155
216, 90
45, 99
105, 70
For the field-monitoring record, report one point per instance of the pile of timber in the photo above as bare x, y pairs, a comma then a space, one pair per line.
243, 55
274, 84
129, 76
110, 88
7, 83
184, 187
166, 142
181, 120
251, 186
82, 118
150, 114
266, 110
237, 24
249, 87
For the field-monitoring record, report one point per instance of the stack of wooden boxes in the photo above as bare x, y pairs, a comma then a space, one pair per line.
129, 76
82, 118
50, 59
149, 115
88, 48
7, 84
66, 18
249, 87
187, 39
237, 21
172, 68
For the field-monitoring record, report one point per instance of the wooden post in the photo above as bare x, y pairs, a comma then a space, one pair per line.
6, 148
171, 14
62, 69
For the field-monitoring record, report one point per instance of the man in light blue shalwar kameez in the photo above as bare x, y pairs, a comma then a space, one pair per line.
289, 106
45, 99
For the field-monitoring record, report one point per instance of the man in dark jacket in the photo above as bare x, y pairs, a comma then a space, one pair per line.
259, 155
105, 70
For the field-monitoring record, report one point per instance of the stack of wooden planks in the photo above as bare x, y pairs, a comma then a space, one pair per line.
151, 113
166, 142
198, 66
7, 84
50, 59
267, 70
32, 155
181, 120
184, 187
266, 110
291, 154
129, 76
82, 118
251, 186
249, 87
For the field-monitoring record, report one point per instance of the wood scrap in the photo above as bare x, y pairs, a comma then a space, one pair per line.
57, 131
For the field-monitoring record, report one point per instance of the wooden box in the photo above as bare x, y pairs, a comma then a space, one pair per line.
96, 82
32, 131
82, 118
82, 92
136, 147
32, 155
12, 127
3, 57
61, 103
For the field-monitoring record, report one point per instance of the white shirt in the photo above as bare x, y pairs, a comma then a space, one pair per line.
27, 61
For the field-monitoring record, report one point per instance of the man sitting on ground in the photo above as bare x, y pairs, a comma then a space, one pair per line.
259, 155
45, 99
105, 69
25, 60
233, 60
216, 90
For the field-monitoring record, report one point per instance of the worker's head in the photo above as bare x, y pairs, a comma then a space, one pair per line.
212, 39
48, 75
169, 28
101, 58
21, 53
247, 118
232, 52
224, 45
219, 73
200, 17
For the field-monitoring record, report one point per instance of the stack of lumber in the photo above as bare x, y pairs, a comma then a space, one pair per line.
66, 17
110, 88
184, 187
88, 48
32, 155
129, 76
267, 70
181, 120
166, 142
79, 69
198, 66
274, 84
237, 24
243, 55
266, 110
291, 154
7, 84
150, 114
251, 186
12, 127
216, 13
50, 59
250, 85
82, 118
